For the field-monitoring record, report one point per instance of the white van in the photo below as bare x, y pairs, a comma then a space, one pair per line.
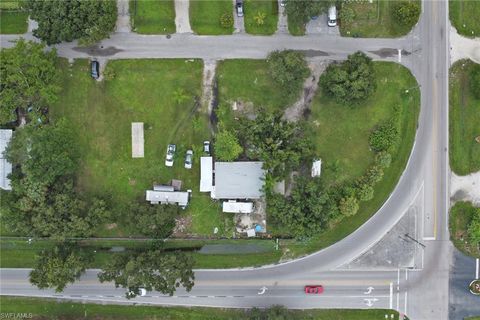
332, 16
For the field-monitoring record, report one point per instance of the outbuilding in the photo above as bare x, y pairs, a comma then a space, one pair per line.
206, 174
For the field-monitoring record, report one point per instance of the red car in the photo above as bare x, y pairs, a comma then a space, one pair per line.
313, 289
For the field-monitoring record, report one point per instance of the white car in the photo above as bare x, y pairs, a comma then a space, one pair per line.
332, 16
206, 147
188, 159
170, 153
142, 292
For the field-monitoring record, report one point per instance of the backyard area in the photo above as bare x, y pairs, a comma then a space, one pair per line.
372, 19
464, 119
261, 16
72, 311
13, 20
337, 125
205, 16
152, 16
464, 17
163, 94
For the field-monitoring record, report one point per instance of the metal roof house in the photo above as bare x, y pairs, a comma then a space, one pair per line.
5, 166
206, 174
233, 206
168, 197
238, 180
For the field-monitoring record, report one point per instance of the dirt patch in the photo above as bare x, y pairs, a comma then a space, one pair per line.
111, 226
182, 225
132, 182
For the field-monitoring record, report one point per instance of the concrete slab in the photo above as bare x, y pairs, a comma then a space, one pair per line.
137, 140
182, 19
123, 19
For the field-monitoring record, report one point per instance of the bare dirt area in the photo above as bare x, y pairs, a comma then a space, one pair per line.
465, 188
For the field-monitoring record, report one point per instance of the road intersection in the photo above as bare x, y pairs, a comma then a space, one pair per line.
420, 293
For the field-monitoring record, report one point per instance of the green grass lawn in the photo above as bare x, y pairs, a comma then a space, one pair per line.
153, 16
12, 19
341, 134
373, 20
101, 113
253, 8
248, 82
16, 253
295, 27
464, 17
464, 120
461, 215
54, 309
205, 16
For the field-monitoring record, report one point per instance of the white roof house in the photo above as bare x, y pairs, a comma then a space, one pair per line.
137, 140
237, 207
5, 166
238, 180
206, 174
168, 197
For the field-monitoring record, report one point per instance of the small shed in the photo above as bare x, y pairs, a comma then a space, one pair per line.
206, 174
237, 207
137, 140
316, 168
168, 197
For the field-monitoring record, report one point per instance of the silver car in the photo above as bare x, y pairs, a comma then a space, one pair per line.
170, 153
188, 159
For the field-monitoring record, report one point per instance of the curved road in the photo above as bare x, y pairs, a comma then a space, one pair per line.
422, 293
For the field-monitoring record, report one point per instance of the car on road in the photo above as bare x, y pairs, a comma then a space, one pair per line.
142, 292
332, 16
239, 8
188, 159
170, 154
282, 3
317, 289
95, 69
206, 147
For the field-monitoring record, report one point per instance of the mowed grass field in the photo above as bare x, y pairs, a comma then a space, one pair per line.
102, 112
12, 19
464, 15
205, 16
253, 8
461, 215
373, 20
341, 135
53, 309
152, 16
464, 120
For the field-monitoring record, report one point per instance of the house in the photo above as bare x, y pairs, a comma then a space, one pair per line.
167, 195
5, 166
238, 180
233, 206
206, 174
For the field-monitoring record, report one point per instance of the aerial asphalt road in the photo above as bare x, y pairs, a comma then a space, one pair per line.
423, 293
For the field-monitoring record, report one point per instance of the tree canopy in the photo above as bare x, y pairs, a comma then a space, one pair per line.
280, 144
227, 147
57, 267
43, 201
350, 81
302, 10
67, 20
155, 221
28, 78
288, 69
407, 12
152, 270
475, 80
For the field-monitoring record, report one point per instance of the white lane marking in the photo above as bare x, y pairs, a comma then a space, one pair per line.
369, 302
398, 276
262, 290
398, 300
391, 295
406, 298
399, 55
477, 269
406, 274
369, 290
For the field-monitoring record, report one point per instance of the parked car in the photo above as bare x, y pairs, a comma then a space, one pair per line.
282, 3
95, 69
314, 289
142, 292
206, 147
170, 153
239, 7
332, 16
188, 159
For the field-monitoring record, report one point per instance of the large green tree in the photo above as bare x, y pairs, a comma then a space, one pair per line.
407, 12
67, 20
301, 11
280, 144
43, 201
58, 266
152, 270
28, 78
288, 69
227, 147
350, 81
155, 221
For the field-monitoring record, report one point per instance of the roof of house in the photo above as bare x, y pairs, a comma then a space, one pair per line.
237, 207
5, 166
206, 174
238, 180
165, 197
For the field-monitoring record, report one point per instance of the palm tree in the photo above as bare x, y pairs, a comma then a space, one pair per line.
260, 18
